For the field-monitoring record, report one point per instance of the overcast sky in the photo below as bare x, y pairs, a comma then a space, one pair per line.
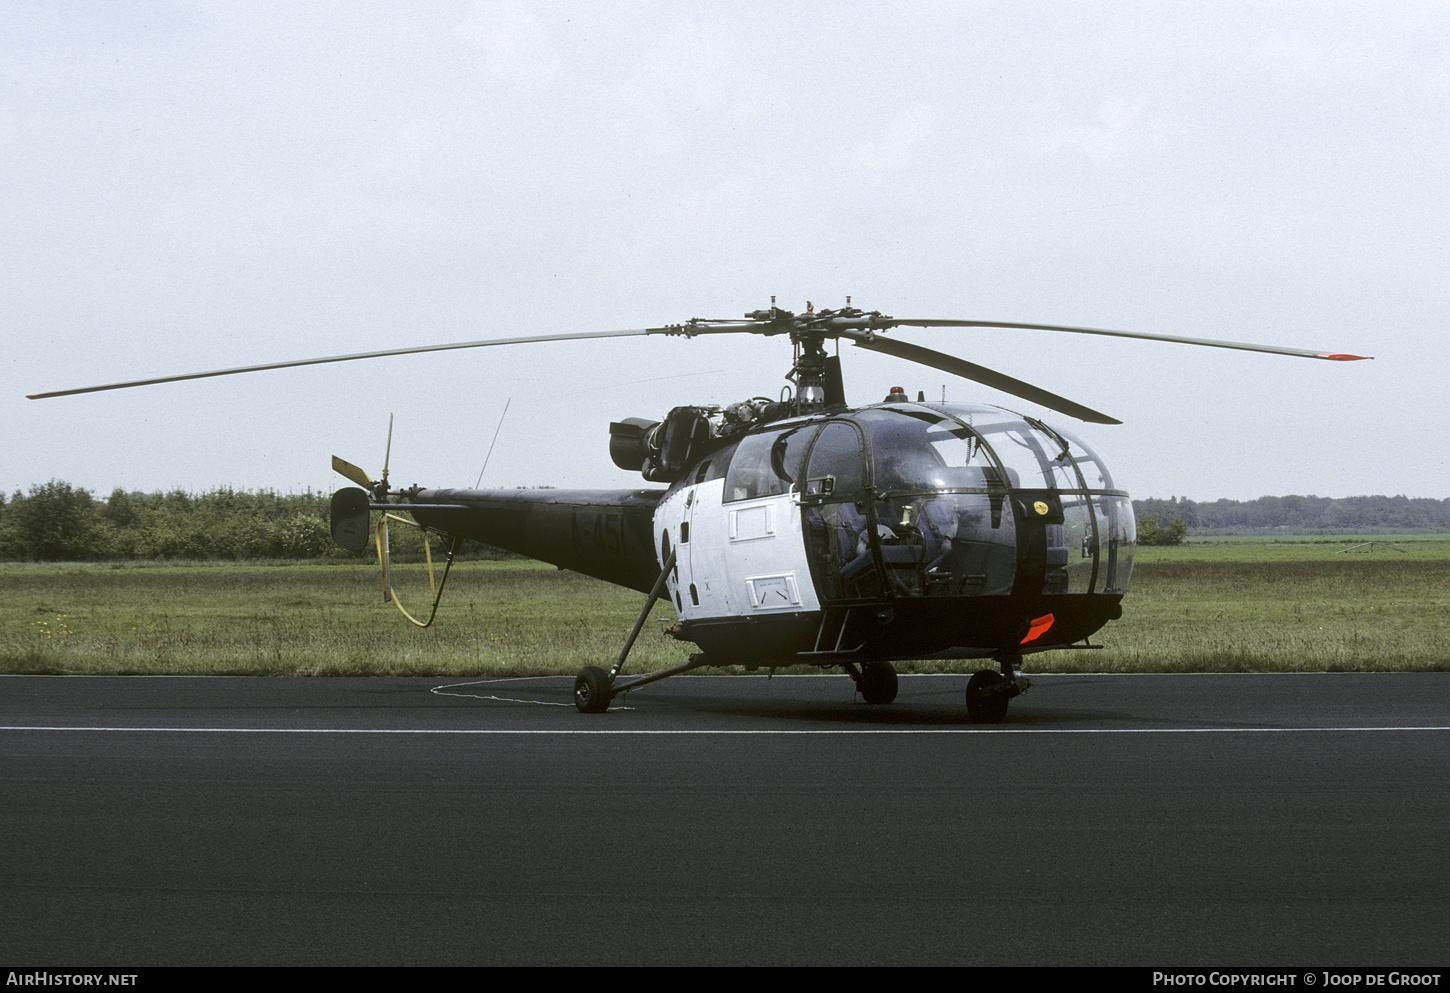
190, 186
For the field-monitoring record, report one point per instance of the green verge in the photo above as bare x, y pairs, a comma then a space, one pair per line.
1214, 606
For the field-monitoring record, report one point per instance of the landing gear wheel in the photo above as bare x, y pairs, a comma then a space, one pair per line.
984, 708
877, 683
591, 691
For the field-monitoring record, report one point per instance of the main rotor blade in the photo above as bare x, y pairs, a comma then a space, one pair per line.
980, 374
348, 358
1307, 353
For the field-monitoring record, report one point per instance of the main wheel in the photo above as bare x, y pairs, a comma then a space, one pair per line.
877, 683
981, 707
591, 691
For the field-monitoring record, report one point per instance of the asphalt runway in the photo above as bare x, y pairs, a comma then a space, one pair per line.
1283, 820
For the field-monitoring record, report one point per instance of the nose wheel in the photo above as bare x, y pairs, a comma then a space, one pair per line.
989, 691
986, 701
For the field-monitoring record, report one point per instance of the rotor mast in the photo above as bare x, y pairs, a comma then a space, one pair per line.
816, 375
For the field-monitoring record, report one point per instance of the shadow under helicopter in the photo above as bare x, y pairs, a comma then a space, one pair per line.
923, 702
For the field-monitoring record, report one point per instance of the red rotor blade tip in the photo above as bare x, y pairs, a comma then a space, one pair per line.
1342, 356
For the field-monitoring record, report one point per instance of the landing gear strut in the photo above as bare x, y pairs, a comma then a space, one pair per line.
595, 688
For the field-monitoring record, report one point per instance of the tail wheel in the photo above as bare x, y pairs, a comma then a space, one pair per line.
986, 704
591, 691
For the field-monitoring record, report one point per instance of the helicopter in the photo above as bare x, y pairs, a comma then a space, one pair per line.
805, 530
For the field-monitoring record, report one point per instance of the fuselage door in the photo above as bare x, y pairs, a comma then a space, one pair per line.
765, 560
835, 513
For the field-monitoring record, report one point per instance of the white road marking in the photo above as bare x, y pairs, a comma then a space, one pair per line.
701, 731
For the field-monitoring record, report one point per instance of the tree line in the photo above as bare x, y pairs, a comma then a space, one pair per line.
55, 522
1303, 514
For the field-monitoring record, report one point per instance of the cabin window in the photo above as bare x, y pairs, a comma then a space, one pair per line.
835, 473
716, 465
935, 525
766, 464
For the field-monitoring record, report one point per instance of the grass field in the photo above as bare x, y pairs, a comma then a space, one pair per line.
1221, 605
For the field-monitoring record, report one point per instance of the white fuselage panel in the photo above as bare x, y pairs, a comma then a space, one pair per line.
741, 558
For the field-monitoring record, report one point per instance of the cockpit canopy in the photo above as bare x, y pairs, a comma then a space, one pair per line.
925, 482
911, 448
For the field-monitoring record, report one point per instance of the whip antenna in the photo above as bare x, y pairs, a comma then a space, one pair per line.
495, 440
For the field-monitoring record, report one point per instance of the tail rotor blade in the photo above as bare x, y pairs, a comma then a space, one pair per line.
352, 472
388, 452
